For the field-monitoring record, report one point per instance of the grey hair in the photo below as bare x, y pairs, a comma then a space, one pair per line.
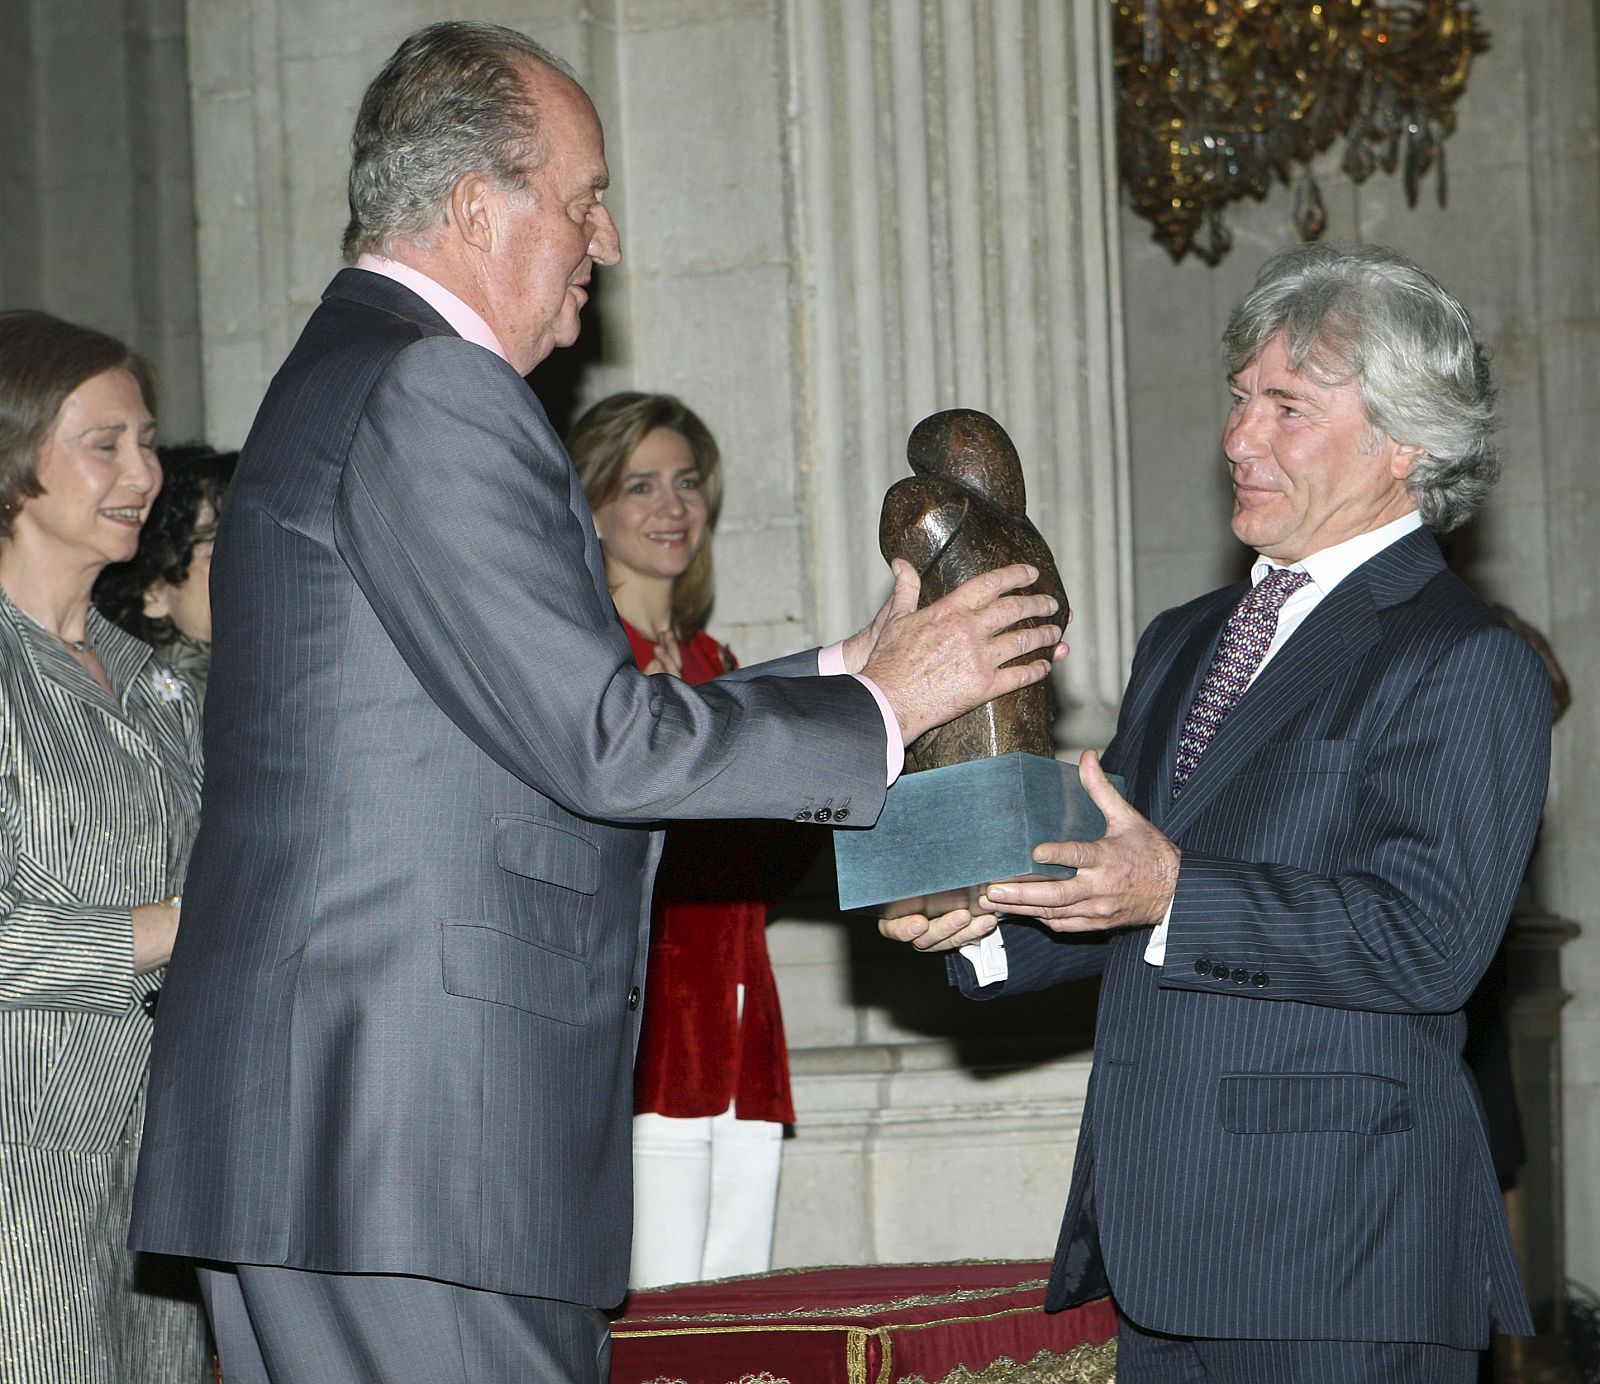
452, 100
1365, 314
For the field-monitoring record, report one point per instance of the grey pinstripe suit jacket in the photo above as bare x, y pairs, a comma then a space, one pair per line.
1281, 1140
398, 1029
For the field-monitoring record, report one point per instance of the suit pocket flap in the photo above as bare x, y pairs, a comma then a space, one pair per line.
485, 963
544, 851
1315, 1103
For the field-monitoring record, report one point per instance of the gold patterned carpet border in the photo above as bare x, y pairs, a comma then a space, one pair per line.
1085, 1364
865, 1309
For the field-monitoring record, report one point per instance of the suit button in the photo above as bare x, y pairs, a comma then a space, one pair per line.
1259, 978
1240, 976
842, 814
823, 815
1220, 972
803, 815
633, 998
149, 1002
1203, 966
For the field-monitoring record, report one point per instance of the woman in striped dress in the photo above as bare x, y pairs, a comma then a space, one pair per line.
99, 798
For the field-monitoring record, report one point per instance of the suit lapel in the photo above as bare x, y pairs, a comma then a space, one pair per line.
1336, 634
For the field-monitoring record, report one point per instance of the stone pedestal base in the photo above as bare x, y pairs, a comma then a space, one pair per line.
944, 834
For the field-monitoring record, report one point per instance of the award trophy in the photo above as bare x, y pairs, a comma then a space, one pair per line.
982, 790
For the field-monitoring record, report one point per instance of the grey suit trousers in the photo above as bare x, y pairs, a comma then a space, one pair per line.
279, 1325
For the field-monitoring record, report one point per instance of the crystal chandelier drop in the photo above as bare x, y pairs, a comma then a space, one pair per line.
1217, 98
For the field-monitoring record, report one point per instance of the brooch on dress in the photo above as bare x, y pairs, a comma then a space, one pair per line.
169, 687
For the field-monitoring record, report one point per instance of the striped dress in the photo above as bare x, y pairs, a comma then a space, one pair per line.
99, 800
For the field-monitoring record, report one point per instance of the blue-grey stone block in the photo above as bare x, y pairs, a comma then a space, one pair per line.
947, 833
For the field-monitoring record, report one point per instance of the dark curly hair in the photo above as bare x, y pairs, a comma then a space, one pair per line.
194, 474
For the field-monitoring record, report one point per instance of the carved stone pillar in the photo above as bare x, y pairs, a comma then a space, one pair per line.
1533, 1003
952, 199
954, 205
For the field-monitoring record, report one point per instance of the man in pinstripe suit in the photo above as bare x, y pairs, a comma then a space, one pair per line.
1282, 1173
392, 1089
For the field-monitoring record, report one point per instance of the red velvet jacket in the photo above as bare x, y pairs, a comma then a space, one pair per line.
696, 1053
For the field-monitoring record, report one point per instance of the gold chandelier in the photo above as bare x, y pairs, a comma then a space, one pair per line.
1217, 98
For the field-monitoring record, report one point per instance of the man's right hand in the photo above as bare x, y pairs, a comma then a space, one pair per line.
944, 660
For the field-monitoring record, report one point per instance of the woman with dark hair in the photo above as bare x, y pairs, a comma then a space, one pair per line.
163, 596
99, 799
712, 1085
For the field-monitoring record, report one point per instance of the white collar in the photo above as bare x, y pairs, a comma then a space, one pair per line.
1330, 566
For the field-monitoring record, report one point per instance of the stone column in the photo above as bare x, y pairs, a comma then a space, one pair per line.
96, 205
954, 224
953, 221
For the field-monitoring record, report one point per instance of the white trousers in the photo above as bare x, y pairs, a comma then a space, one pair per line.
705, 1197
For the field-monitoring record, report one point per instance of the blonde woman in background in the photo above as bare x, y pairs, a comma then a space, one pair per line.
712, 1082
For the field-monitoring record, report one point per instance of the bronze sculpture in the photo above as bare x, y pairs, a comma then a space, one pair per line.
963, 512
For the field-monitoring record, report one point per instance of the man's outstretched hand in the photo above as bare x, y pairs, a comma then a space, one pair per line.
1125, 879
939, 662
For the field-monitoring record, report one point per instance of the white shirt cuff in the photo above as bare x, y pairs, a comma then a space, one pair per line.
988, 958
1155, 950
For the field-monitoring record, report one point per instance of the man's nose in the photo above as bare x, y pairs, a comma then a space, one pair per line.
1241, 435
605, 245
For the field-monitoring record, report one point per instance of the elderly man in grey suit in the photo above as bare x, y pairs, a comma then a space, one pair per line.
1334, 772
392, 1083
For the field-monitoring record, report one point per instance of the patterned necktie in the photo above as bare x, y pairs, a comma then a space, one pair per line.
1245, 640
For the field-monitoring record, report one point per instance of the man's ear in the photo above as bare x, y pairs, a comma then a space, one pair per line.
471, 210
1405, 457
157, 602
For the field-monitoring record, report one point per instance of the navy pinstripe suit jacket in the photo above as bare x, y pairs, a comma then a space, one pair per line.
1281, 1139
397, 1033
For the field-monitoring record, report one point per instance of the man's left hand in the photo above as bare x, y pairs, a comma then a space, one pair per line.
1125, 879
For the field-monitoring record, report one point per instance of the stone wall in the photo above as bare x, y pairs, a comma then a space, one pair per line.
96, 186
